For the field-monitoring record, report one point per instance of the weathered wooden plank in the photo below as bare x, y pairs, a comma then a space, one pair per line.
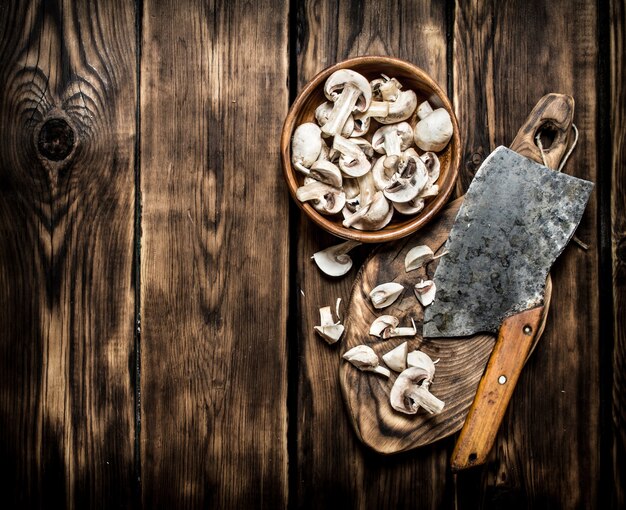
547, 452
67, 131
329, 454
214, 291
618, 251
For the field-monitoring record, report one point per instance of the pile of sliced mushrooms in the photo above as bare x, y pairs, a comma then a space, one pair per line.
416, 369
367, 181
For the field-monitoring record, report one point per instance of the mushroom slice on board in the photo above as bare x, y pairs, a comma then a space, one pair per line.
385, 294
405, 331
306, 146
434, 130
326, 199
423, 360
353, 161
410, 392
425, 292
419, 255
396, 357
328, 329
322, 113
364, 358
335, 261
382, 323
349, 91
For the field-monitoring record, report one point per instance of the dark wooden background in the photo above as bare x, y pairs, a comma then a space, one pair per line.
157, 300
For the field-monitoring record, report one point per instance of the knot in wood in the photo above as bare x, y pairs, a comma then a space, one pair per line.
56, 139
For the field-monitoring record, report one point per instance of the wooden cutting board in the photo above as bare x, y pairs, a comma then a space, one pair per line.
462, 361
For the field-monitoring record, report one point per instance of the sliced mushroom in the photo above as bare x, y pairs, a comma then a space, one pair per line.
411, 179
351, 187
396, 358
353, 161
362, 120
326, 199
349, 91
431, 162
364, 358
328, 329
373, 216
383, 172
306, 146
402, 103
410, 392
425, 292
382, 323
322, 113
422, 360
385, 88
393, 139
405, 331
326, 172
385, 294
429, 191
335, 261
411, 207
434, 130
419, 255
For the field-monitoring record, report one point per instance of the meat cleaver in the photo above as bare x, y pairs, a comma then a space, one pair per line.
516, 219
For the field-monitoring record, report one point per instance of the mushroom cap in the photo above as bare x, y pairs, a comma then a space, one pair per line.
373, 216
433, 167
422, 360
337, 81
403, 130
351, 187
411, 207
385, 294
396, 357
382, 174
362, 356
383, 322
306, 144
417, 256
413, 176
434, 131
326, 172
331, 334
326, 199
334, 260
406, 383
425, 291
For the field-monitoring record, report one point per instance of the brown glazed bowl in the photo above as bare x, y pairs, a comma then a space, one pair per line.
411, 77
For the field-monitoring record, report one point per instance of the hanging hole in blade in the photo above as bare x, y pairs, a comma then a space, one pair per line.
472, 457
546, 133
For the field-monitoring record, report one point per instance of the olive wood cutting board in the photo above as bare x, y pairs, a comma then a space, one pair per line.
462, 361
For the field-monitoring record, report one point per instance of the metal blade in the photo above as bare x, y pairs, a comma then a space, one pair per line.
516, 219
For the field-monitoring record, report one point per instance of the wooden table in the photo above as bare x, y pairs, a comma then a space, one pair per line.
157, 300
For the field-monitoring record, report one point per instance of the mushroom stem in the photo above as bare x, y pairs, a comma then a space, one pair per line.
424, 398
326, 316
312, 191
302, 168
392, 143
343, 107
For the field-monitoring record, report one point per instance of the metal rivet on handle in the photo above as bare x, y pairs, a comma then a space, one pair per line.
502, 379
527, 330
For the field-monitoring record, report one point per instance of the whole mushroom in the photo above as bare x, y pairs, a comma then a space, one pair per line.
434, 130
326, 199
306, 146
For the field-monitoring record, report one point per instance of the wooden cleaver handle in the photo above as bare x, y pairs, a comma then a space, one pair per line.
515, 340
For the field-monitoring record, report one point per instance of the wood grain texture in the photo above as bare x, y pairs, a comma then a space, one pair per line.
547, 452
329, 454
67, 126
461, 361
214, 293
618, 248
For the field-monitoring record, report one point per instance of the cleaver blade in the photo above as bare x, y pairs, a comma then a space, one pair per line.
516, 219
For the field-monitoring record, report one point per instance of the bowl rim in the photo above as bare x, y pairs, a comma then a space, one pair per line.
378, 236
